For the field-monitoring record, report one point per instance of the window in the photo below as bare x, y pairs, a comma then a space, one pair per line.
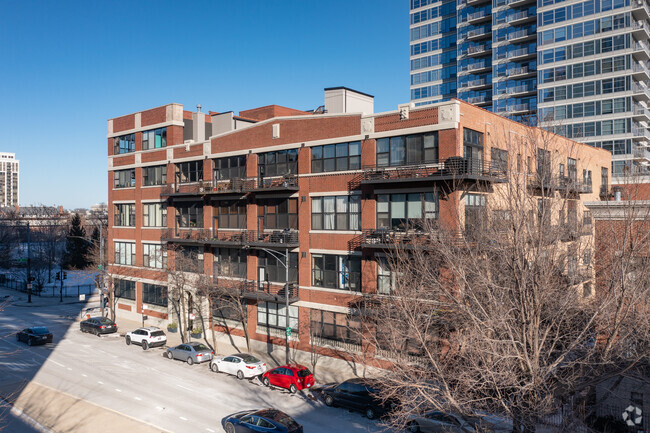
336, 326
543, 163
154, 294
124, 144
125, 253
154, 139
475, 215
336, 157
233, 167
271, 269
231, 214
124, 215
499, 160
154, 256
473, 147
189, 259
226, 308
273, 315
124, 289
406, 211
341, 212
411, 149
278, 163
124, 178
229, 262
278, 213
154, 175
191, 171
336, 272
189, 215
154, 215
385, 276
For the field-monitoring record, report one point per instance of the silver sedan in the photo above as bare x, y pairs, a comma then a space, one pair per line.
190, 353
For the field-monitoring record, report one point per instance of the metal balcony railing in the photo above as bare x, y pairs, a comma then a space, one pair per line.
261, 290
477, 15
286, 238
456, 167
520, 52
561, 183
477, 99
485, 30
642, 153
604, 191
640, 131
287, 182
474, 83
519, 34
517, 16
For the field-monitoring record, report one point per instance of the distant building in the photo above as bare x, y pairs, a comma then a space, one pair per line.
8, 179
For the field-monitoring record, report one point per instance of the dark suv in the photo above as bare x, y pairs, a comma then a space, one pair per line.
361, 395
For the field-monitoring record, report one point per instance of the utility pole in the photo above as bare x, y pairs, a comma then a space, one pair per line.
61, 292
286, 302
29, 267
101, 266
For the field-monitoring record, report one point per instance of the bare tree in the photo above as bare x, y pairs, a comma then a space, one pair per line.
492, 309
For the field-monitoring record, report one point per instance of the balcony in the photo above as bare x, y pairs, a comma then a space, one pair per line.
480, 33
451, 169
476, 84
520, 90
640, 133
237, 186
479, 100
520, 36
641, 30
520, 54
477, 67
641, 113
640, 10
518, 3
640, 92
479, 16
640, 71
475, 2
519, 72
642, 155
519, 18
562, 184
258, 290
477, 50
273, 239
383, 238
516, 109
640, 50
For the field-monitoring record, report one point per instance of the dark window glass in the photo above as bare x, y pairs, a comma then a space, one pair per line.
124, 289
154, 139
412, 149
124, 215
279, 213
189, 215
336, 326
336, 157
406, 211
231, 214
336, 272
336, 212
233, 167
191, 171
154, 175
154, 294
124, 144
230, 262
124, 178
278, 163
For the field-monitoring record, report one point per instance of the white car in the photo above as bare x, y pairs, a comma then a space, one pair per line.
146, 337
242, 365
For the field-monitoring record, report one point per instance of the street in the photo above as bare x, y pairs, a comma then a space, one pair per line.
143, 385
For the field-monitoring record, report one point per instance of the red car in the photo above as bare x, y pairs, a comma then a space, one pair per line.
292, 377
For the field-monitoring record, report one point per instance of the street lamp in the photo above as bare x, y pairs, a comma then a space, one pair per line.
277, 255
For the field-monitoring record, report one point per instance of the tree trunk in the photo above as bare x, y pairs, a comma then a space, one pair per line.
181, 318
212, 331
244, 323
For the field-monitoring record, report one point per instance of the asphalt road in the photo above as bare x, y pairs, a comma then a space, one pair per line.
169, 395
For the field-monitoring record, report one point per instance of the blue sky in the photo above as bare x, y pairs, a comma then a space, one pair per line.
68, 66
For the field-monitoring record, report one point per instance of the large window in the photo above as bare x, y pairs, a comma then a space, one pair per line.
154, 215
272, 315
473, 146
189, 215
411, 149
230, 262
336, 157
336, 272
124, 289
232, 214
124, 144
125, 253
154, 256
499, 159
154, 175
336, 326
230, 168
154, 139
475, 213
227, 308
278, 163
124, 178
124, 215
271, 269
154, 294
406, 211
189, 259
279, 213
191, 171
385, 276
341, 212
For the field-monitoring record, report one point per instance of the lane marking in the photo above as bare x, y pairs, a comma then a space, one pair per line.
57, 363
184, 387
69, 369
118, 390
137, 398
210, 430
100, 382
160, 408
84, 374
183, 418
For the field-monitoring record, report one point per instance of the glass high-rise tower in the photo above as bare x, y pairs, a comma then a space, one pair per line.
579, 67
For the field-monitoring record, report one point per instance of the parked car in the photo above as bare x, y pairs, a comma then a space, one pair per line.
361, 395
293, 377
146, 337
437, 422
265, 420
242, 365
35, 335
190, 353
98, 325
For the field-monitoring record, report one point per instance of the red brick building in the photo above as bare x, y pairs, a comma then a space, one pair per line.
334, 189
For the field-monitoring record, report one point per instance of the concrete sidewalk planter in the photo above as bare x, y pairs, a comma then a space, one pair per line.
172, 327
196, 332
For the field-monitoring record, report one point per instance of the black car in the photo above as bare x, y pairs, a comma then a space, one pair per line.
265, 420
35, 335
360, 395
98, 325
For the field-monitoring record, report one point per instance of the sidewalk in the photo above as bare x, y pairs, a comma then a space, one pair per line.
61, 412
19, 299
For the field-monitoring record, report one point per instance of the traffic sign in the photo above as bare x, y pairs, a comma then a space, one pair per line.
145, 307
288, 331
29, 286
